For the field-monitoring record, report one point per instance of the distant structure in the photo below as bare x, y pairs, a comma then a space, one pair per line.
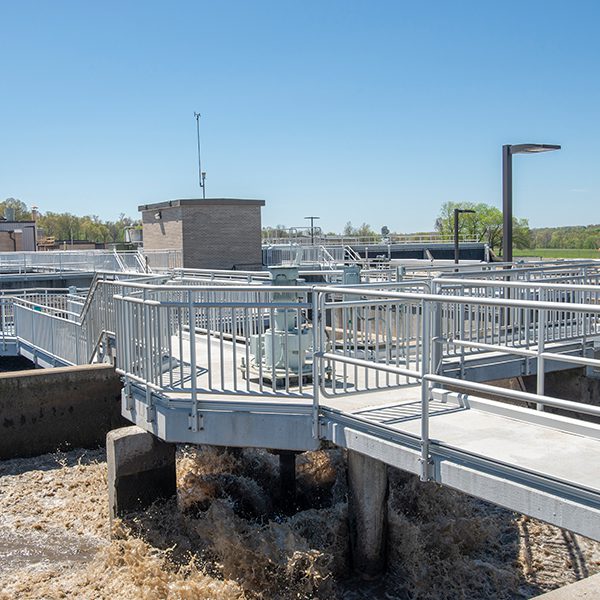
211, 233
16, 236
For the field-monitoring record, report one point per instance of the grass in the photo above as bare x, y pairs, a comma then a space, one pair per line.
557, 252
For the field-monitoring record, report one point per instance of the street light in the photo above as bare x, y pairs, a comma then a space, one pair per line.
507, 151
458, 211
312, 229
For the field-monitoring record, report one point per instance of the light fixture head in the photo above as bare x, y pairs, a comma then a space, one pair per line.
533, 148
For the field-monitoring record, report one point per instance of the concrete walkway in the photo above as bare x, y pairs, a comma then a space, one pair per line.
586, 589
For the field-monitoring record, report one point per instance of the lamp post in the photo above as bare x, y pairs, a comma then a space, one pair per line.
312, 229
458, 211
507, 217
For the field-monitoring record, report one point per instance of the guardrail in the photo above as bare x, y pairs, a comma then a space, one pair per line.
91, 260
349, 366
335, 240
186, 342
509, 325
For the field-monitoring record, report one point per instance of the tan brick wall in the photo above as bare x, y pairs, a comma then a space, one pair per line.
221, 236
164, 233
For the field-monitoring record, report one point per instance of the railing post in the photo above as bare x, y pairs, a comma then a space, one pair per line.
436, 333
541, 366
315, 367
425, 369
194, 425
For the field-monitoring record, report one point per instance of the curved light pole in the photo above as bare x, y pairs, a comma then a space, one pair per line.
507, 215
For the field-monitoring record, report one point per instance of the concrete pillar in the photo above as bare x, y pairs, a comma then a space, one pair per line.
367, 509
141, 468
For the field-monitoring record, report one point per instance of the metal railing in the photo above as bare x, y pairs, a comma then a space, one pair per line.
163, 260
192, 342
55, 298
70, 328
325, 343
91, 260
342, 240
361, 361
510, 325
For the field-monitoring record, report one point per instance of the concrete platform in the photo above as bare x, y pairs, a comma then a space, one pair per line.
586, 589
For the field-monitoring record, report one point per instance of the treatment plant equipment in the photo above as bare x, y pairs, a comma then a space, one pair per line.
280, 353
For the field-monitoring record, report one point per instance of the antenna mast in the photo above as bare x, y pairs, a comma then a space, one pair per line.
201, 173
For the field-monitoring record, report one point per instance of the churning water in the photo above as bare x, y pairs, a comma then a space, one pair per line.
229, 536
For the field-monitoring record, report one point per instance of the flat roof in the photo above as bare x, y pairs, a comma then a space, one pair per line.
201, 202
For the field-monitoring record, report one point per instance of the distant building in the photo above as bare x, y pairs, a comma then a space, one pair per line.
216, 233
17, 236
50, 243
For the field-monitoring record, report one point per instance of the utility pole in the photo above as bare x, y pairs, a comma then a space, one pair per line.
201, 173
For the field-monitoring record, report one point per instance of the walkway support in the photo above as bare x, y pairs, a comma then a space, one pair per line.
287, 479
141, 468
368, 484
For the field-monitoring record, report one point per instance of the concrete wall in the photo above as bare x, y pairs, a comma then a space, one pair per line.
45, 410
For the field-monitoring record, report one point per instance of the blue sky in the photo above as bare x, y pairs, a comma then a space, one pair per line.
372, 112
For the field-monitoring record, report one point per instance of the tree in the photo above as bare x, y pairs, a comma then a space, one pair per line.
22, 213
484, 225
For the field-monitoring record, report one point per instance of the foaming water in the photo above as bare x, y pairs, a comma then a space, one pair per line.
229, 535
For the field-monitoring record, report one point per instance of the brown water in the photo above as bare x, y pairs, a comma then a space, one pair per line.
227, 536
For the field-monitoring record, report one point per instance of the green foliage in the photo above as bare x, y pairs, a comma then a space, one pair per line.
22, 213
363, 231
278, 231
484, 225
66, 226
558, 253
587, 237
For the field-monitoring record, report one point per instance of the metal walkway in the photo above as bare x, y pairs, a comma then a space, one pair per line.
232, 360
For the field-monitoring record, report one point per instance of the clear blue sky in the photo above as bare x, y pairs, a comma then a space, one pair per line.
364, 111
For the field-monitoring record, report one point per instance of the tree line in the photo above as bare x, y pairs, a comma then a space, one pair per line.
67, 226
483, 225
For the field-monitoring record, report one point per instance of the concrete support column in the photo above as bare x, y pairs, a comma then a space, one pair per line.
141, 468
368, 485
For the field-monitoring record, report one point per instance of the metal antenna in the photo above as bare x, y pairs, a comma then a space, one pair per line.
201, 173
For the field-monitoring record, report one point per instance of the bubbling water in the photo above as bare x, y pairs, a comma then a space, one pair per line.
228, 535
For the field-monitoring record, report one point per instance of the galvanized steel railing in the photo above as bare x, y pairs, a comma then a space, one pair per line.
347, 366
187, 342
132, 261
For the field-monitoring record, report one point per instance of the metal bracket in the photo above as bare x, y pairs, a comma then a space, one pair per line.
127, 396
196, 423
150, 414
426, 469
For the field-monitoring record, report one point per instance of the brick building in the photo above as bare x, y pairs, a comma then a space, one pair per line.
216, 233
